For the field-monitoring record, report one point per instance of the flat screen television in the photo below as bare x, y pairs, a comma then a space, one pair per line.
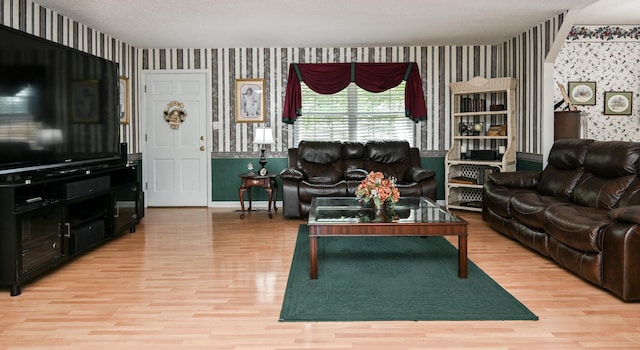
58, 106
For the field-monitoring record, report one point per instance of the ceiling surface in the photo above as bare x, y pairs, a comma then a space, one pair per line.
329, 23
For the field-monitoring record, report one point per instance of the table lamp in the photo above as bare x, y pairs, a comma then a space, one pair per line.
262, 137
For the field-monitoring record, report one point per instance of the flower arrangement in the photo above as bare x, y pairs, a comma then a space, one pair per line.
375, 187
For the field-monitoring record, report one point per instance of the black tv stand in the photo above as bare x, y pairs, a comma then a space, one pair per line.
48, 220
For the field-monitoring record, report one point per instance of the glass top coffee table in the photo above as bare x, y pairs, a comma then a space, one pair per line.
412, 216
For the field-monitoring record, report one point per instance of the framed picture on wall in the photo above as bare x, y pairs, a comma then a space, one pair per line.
618, 102
582, 93
123, 90
250, 101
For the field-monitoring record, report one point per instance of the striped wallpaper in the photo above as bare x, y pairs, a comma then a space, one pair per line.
521, 57
272, 64
524, 57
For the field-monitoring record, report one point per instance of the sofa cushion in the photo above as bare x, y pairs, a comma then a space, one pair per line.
567, 154
557, 182
355, 174
629, 214
308, 191
319, 152
387, 151
598, 192
389, 157
565, 167
612, 159
498, 197
321, 161
353, 150
577, 227
353, 155
518, 179
530, 207
632, 195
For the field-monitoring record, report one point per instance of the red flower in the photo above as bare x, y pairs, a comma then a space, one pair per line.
377, 188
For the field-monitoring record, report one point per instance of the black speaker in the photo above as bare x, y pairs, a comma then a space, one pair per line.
484, 154
124, 151
70, 190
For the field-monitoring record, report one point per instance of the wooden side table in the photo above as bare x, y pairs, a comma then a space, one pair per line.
268, 182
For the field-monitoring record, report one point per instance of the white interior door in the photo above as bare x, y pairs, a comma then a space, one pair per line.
176, 159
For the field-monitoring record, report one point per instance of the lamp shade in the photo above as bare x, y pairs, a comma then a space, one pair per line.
263, 136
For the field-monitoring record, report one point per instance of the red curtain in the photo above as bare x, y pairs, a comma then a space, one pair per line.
329, 78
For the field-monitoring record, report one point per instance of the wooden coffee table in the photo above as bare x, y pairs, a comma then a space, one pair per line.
412, 216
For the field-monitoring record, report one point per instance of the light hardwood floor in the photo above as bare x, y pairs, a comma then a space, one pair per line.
198, 278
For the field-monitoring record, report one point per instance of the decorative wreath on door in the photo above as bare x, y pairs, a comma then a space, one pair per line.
175, 114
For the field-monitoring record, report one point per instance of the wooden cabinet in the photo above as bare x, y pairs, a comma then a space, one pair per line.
566, 125
128, 201
47, 219
482, 138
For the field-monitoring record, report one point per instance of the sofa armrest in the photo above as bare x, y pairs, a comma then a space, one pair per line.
517, 179
416, 174
629, 214
294, 174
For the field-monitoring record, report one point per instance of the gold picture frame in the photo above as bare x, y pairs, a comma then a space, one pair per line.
250, 101
618, 102
85, 101
124, 104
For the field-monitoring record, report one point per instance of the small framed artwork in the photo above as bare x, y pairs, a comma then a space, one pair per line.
123, 90
85, 101
618, 102
582, 93
250, 101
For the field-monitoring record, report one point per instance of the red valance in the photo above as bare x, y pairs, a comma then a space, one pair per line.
329, 78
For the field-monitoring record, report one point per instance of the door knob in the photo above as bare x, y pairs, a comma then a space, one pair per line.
202, 148
202, 138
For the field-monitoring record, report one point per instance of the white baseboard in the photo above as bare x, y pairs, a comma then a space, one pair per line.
236, 204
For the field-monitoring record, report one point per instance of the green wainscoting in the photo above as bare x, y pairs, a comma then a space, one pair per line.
526, 165
225, 180
436, 164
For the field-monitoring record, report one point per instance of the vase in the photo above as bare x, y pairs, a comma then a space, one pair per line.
380, 211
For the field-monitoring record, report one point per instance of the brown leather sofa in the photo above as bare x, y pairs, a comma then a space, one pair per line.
334, 169
582, 211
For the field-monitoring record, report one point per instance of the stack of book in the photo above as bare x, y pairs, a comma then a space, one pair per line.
464, 180
468, 104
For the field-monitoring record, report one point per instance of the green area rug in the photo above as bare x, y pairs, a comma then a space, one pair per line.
391, 278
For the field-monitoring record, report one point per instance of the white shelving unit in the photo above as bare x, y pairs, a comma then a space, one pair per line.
482, 138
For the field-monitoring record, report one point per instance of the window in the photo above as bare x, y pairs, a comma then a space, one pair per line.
354, 114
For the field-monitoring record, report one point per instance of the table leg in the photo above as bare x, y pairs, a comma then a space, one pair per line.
462, 256
241, 195
269, 191
313, 257
274, 185
249, 195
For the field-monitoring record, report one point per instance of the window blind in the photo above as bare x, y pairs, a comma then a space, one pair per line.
354, 114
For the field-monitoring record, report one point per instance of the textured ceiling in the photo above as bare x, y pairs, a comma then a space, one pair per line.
326, 23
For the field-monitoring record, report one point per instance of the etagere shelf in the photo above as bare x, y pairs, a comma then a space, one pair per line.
482, 138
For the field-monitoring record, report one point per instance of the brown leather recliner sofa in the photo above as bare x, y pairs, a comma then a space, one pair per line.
335, 169
582, 211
